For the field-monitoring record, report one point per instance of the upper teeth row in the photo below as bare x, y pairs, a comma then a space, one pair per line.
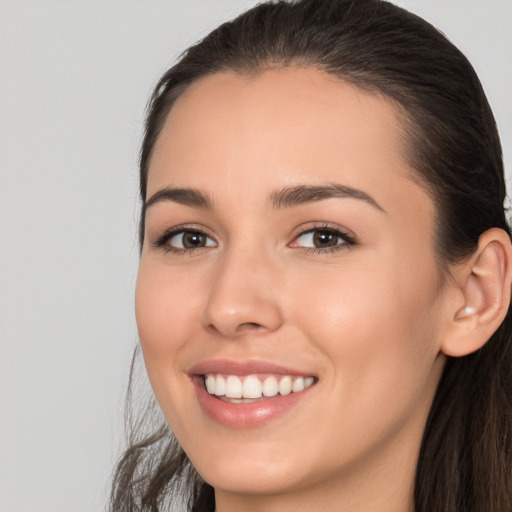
231, 386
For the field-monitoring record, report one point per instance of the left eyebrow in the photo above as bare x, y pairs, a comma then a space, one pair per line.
303, 194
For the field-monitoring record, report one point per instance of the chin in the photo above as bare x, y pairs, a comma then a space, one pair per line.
252, 477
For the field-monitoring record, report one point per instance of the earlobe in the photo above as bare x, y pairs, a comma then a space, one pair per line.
484, 281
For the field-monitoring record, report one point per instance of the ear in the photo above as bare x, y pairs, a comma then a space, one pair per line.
483, 283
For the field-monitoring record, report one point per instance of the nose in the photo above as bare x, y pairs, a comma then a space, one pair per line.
244, 296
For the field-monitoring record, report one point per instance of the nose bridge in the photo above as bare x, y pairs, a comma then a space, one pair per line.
243, 296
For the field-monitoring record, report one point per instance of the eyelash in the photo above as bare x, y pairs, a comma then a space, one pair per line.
347, 240
162, 241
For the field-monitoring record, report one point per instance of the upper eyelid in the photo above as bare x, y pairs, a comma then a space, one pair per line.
325, 226
176, 230
312, 226
347, 237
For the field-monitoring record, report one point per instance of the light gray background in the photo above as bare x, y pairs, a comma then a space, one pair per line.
74, 79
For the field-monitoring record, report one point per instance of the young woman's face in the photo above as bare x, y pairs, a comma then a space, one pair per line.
286, 245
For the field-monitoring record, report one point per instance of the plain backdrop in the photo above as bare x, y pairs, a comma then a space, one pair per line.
75, 76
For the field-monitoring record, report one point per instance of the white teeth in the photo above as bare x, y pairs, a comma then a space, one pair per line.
270, 386
210, 384
220, 386
233, 387
298, 384
285, 386
252, 387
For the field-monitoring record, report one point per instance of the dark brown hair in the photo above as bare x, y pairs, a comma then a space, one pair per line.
454, 151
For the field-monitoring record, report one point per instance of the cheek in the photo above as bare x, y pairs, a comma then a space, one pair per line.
166, 311
377, 330
166, 308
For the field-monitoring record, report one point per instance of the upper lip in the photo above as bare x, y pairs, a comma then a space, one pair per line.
230, 367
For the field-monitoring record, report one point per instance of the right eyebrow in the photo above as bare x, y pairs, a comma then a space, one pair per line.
187, 196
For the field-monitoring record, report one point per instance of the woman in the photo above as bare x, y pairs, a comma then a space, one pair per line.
324, 285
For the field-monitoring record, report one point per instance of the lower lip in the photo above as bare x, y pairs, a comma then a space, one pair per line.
246, 415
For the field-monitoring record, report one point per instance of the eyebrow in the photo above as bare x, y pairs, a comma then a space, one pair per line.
303, 194
187, 196
287, 197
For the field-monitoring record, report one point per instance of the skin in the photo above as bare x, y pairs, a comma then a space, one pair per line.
368, 319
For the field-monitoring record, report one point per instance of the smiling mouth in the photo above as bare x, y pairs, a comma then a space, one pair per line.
251, 388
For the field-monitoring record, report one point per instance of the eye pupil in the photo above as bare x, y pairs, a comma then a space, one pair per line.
192, 240
325, 239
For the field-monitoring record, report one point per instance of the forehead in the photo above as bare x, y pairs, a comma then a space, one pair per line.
280, 127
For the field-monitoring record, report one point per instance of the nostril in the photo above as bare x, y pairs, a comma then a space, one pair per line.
245, 326
249, 326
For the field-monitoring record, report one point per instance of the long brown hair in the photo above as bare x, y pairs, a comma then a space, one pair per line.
452, 145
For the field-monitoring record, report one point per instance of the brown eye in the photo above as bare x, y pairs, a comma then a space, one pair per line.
325, 239
190, 240
320, 239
